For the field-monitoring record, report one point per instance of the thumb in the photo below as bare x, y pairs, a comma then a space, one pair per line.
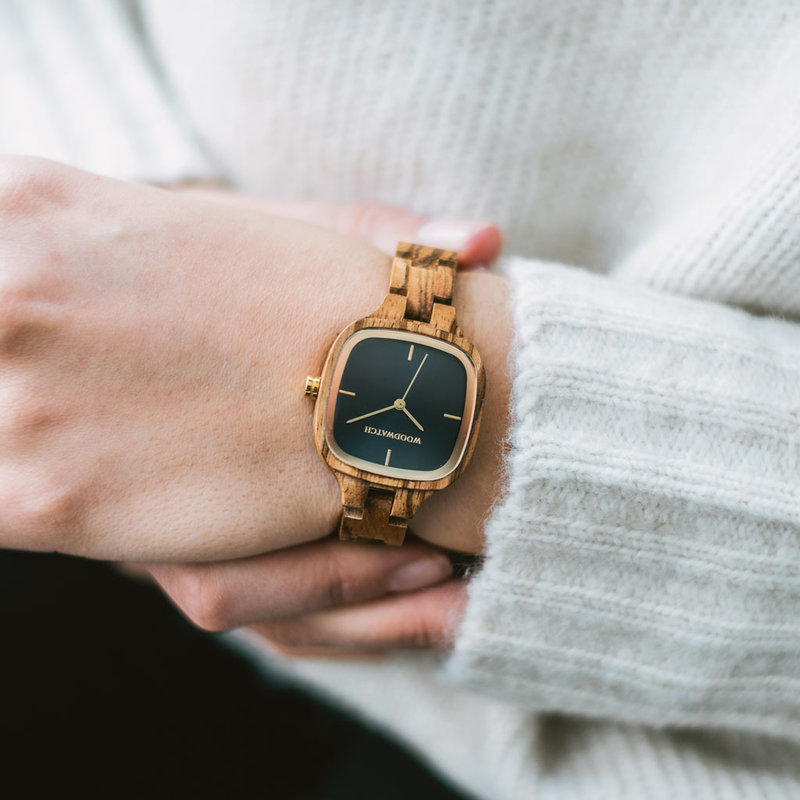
477, 242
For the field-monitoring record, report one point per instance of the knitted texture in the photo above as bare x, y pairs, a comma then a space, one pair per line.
642, 564
500, 751
76, 85
587, 129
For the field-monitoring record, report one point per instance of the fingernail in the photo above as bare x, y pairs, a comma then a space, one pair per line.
417, 574
450, 234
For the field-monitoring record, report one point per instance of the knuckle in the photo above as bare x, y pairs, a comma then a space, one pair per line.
27, 413
16, 320
422, 634
201, 597
29, 183
45, 512
338, 585
29, 320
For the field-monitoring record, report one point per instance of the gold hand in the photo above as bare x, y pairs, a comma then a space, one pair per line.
409, 415
371, 413
415, 376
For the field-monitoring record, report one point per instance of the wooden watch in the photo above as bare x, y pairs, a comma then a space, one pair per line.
399, 399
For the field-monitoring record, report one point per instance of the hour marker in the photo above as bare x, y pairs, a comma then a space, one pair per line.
451, 416
410, 352
344, 391
388, 456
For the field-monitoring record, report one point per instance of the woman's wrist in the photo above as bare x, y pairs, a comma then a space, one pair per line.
453, 517
361, 283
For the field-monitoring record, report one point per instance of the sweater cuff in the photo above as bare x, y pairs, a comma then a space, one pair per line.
642, 564
80, 88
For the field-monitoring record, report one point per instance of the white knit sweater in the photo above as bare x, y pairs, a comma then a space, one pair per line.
634, 631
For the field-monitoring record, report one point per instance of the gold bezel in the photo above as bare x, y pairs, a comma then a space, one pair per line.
466, 417
413, 480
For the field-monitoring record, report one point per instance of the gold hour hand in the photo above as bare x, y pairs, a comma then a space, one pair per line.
411, 417
371, 414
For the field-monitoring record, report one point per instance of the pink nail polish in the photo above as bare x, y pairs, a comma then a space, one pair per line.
450, 234
424, 572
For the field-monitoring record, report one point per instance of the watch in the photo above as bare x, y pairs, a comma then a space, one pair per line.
398, 402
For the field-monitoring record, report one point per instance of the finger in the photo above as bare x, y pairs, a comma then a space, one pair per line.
425, 618
333, 653
477, 242
297, 581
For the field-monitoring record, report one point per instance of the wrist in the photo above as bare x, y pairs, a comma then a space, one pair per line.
353, 287
454, 519
451, 518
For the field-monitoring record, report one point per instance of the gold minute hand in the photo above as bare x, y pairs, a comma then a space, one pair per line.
411, 417
424, 359
371, 413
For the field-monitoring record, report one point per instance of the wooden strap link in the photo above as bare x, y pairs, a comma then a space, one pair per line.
371, 512
374, 520
425, 276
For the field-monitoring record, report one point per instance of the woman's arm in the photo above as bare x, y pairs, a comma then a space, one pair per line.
152, 349
642, 562
153, 352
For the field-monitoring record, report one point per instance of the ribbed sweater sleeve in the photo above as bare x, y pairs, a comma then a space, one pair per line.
77, 85
644, 562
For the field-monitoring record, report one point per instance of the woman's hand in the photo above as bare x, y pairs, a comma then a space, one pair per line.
152, 350
326, 598
426, 619
337, 599
477, 242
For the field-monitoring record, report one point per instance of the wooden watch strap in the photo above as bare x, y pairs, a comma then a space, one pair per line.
424, 276
376, 513
373, 520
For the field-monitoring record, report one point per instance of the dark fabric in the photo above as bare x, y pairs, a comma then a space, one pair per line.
108, 692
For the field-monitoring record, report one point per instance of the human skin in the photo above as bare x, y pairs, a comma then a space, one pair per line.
152, 348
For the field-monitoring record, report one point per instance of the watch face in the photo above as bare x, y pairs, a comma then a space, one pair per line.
401, 404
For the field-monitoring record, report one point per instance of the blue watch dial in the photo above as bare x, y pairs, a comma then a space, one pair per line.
400, 403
